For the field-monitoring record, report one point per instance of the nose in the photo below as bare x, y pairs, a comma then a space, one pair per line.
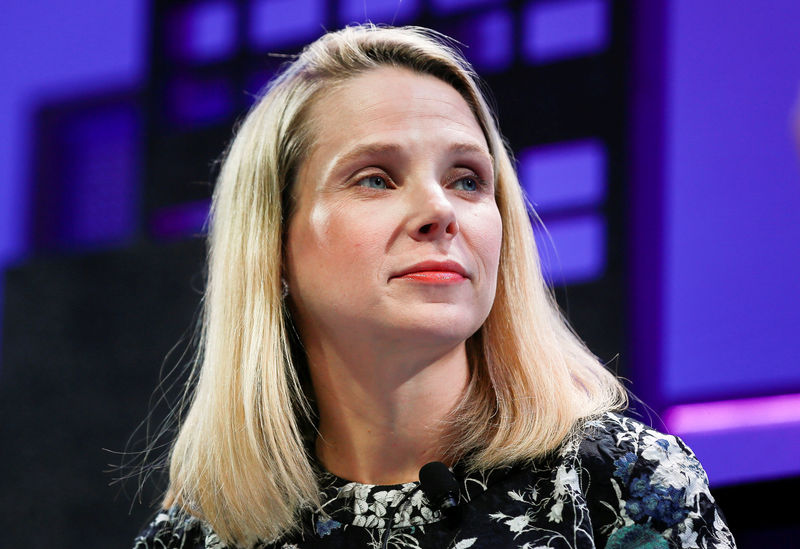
432, 214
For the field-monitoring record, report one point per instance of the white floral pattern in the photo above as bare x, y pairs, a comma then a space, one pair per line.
618, 485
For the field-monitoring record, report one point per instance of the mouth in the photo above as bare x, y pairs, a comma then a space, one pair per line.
437, 272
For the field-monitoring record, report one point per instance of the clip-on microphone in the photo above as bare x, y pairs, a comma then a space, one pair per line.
440, 487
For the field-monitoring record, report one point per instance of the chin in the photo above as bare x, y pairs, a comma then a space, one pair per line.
442, 327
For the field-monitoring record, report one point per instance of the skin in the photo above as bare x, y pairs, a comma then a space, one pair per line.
400, 173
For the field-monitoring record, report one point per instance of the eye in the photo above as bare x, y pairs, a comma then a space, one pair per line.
469, 183
373, 182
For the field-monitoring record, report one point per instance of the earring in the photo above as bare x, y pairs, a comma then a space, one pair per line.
284, 288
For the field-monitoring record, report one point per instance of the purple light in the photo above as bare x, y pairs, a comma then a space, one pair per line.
558, 29
196, 102
101, 178
180, 221
489, 38
564, 175
450, 6
204, 31
87, 46
85, 190
378, 11
731, 202
732, 414
281, 22
748, 454
741, 440
577, 252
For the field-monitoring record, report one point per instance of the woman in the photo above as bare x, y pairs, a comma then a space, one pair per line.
374, 304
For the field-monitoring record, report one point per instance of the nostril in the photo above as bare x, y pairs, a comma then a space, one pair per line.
425, 229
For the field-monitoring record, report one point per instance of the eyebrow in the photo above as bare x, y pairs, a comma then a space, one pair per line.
379, 149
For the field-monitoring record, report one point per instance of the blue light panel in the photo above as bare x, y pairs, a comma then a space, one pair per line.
489, 40
198, 102
205, 31
731, 203
101, 196
564, 175
391, 12
748, 454
450, 6
560, 29
180, 221
281, 22
577, 252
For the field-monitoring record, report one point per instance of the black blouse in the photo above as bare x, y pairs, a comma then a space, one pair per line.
621, 485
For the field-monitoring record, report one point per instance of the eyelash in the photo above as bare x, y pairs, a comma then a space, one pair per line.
480, 183
376, 176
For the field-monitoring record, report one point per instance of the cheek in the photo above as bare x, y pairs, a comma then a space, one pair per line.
346, 233
488, 239
496, 232
334, 242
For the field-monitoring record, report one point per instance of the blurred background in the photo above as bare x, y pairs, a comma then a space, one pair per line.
654, 138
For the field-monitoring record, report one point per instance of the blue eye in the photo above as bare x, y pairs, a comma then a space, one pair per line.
467, 184
373, 182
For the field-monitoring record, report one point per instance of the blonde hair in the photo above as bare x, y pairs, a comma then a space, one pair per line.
240, 460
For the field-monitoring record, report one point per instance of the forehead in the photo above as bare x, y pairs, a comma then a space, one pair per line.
390, 103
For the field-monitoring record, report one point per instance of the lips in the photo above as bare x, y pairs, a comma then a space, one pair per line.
434, 271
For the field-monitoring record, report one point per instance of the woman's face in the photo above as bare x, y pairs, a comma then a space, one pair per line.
395, 234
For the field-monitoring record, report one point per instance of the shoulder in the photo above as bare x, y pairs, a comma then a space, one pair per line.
176, 529
641, 483
616, 443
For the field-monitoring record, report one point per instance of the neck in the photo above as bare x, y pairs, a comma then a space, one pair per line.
382, 417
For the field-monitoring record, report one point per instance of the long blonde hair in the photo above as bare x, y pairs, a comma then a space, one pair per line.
240, 460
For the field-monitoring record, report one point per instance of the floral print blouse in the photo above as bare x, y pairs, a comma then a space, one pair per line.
621, 485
